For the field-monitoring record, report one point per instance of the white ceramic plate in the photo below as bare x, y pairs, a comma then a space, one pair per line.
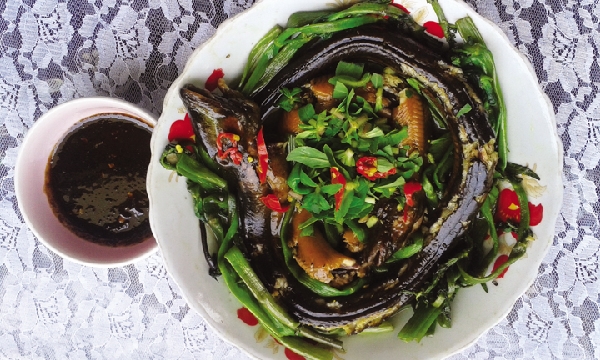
533, 141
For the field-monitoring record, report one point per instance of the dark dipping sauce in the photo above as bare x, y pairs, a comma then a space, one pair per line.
96, 180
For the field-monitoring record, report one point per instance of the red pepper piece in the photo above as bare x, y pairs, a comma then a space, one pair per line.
234, 154
399, 6
509, 210
247, 317
272, 202
499, 261
182, 130
434, 29
213, 79
536, 214
263, 157
367, 167
409, 189
292, 355
338, 178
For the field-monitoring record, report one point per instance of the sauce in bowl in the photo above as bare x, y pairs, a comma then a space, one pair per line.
96, 179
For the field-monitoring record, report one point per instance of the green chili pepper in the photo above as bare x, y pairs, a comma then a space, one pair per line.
487, 212
475, 55
245, 297
234, 223
257, 288
303, 18
281, 59
439, 12
200, 174
259, 70
367, 9
258, 50
350, 81
419, 324
215, 226
408, 250
324, 28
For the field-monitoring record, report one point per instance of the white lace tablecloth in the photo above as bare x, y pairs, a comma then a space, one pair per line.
52, 51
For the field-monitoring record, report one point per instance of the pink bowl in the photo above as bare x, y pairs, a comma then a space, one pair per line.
37, 147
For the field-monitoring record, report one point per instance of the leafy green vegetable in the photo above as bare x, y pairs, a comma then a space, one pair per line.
310, 157
290, 98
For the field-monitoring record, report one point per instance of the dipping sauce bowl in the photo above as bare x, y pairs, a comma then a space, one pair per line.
31, 176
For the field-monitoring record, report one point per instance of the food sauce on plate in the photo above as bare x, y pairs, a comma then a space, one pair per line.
96, 179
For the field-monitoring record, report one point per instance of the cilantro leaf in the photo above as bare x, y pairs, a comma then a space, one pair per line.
309, 156
290, 97
306, 180
306, 112
331, 189
315, 203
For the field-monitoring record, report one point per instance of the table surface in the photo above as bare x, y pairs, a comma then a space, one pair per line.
52, 51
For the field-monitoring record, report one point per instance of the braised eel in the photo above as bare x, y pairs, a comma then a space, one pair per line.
475, 158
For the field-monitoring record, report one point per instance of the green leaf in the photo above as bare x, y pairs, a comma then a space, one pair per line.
357, 230
306, 180
294, 181
377, 80
419, 324
307, 231
310, 157
308, 223
315, 203
409, 250
331, 189
464, 110
349, 69
373, 133
340, 91
290, 97
391, 185
383, 165
306, 112
346, 157
514, 170
359, 208
415, 84
340, 213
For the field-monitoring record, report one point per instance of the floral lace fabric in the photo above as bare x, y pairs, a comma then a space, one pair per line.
52, 52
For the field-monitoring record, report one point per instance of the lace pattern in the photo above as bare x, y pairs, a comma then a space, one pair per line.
52, 52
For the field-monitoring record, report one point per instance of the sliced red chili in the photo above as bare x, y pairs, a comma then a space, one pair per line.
213, 80
247, 317
508, 209
434, 29
409, 189
536, 214
292, 355
263, 157
232, 151
399, 6
499, 262
338, 178
272, 202
367, 167
182, 130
